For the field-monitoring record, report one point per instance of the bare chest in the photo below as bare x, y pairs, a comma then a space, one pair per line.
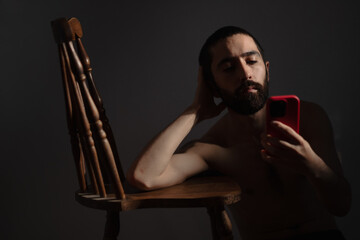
243, 162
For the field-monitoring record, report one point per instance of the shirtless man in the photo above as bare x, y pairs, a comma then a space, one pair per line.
291, 186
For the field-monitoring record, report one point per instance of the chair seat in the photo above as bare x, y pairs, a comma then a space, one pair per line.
194, 192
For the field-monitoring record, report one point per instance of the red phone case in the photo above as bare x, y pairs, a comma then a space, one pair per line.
291, 116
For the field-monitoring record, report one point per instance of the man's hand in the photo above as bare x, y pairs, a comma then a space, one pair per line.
204, 103
322, 169
292, 150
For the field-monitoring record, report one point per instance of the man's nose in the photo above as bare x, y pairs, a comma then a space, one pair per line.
245, 72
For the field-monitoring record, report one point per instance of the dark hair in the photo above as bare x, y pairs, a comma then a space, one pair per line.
205, 57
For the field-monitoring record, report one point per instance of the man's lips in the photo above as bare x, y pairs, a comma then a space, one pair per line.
249, 89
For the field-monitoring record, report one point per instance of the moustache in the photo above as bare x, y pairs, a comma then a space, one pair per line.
248, 83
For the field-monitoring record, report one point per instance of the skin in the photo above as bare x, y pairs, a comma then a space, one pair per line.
290, 186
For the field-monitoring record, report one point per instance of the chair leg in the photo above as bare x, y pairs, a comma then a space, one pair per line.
220, 223
112, 225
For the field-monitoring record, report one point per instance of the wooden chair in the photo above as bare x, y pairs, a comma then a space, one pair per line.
100, 175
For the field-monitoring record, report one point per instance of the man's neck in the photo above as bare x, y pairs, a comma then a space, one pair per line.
253, 124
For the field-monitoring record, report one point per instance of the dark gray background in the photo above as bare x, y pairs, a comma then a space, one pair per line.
144, 56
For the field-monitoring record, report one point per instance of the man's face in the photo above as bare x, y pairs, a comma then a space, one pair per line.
240, 74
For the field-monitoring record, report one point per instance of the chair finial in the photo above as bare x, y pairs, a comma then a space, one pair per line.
62, 30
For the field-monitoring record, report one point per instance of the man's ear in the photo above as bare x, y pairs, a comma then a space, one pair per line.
267, 65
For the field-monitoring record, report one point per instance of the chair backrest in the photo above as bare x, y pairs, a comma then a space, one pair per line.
93, 146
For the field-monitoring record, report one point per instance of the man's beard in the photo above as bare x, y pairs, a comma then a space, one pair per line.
244, 102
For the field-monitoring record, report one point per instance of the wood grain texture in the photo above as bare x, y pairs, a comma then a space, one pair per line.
93, 115
76, 29
83, 125
85, 59
71, 122
195, 192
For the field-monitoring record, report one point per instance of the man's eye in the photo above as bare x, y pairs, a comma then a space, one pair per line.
228, 68
251, 62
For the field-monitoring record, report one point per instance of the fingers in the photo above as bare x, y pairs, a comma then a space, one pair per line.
277, 148
266, 156
293, 151
270, 148
270, 143
287, 132
204, 99
269, 158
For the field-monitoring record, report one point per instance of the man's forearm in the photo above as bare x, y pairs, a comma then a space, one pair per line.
154, 159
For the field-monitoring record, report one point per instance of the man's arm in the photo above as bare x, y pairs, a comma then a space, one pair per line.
157, 166
316, 158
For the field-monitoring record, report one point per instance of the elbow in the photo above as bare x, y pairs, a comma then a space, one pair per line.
339, 202
341, 210
345, 210
139, 181
347, 202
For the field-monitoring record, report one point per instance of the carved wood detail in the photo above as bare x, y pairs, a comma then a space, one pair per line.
83, 126
91, 136
75, 144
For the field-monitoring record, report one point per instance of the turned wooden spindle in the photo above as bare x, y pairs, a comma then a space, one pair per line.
99, 103
85, 152
62, 34
94, 117
86, 137
85, 60
75, 144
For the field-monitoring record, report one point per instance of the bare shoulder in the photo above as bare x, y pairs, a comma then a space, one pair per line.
315, 127
210, 143
315, 124
218, 132
308, 108
313, 118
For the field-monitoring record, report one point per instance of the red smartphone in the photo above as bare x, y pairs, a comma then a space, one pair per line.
285, 109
